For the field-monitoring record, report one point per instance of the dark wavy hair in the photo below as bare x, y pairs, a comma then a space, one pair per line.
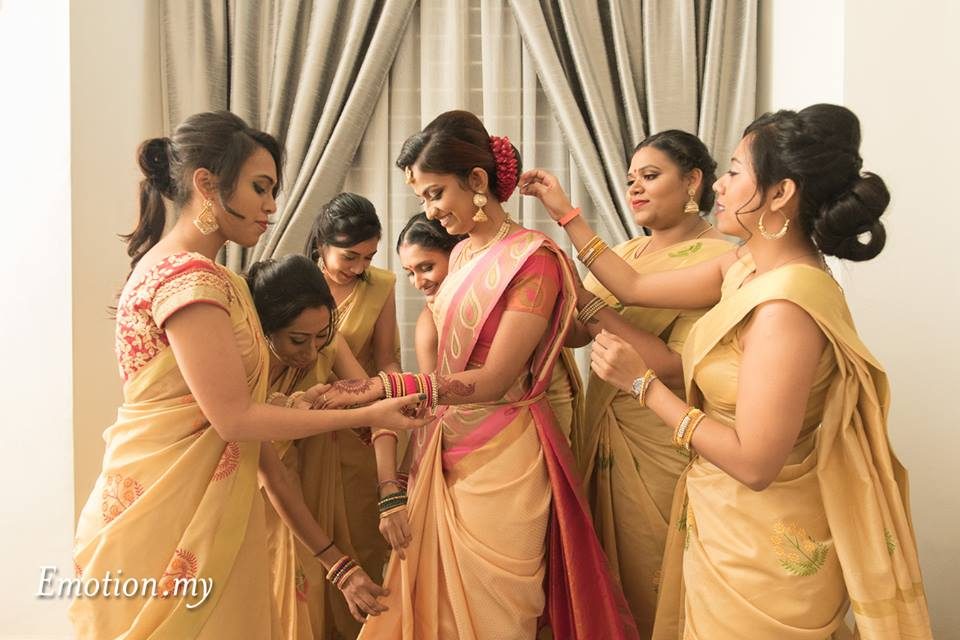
219, 141
430, 234
283, 288
819, 149
688, 152
454, 143
346, 220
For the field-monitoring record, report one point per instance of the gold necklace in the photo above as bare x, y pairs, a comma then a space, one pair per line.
469, 252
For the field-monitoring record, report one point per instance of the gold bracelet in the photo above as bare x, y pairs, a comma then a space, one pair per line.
590, 309
292, 400
691, 418
379, 433
385, 379
696, 422
342, 580
275, 396
587, 247
597, 252
393, 510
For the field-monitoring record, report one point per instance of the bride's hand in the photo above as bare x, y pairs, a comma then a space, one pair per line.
544, 186
349, 393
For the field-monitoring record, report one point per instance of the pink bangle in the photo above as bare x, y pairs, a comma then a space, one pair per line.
565, 220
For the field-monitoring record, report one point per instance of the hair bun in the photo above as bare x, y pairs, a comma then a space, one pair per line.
154, 160
840, 226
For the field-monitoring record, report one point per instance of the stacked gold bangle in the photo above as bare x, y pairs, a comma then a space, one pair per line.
591, 309
341, 571
387, 387
591, 251
688, 424
392, 503
292, 400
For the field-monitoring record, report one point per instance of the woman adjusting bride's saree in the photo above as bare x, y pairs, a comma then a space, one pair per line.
501, 531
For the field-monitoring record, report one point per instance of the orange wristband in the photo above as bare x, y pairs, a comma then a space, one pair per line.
565, 220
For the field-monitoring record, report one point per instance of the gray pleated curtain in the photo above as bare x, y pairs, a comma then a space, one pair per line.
617, 70
308, 72
311, 72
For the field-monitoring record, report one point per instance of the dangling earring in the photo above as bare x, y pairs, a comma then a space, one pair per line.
691, 206
206, 222
773, 236
479, 200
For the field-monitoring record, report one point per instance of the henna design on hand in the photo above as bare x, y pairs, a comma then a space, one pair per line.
352, 387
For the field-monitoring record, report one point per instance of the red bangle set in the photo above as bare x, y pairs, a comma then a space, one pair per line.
402, 384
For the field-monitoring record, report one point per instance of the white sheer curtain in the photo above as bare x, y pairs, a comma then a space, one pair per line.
459, 54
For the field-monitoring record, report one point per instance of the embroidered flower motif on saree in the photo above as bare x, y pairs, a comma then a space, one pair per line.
229, 461
796, 550
302, 584
119, 492
183, 566
890, 540
686, 251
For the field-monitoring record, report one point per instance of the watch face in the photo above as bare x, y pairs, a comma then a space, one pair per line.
637, 387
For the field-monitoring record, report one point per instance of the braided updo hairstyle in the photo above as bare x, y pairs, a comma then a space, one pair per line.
819, 149
220, 142
454, 143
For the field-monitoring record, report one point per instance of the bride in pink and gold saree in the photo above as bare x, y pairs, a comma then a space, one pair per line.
501, 541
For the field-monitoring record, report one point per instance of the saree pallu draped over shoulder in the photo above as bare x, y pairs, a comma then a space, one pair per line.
501, 532
174, 501
832, 531
626, 453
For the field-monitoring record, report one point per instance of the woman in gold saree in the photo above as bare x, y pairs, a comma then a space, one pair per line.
501, 537
297, 313
629, 463
177, 498
343, 241
793, 509
424, 251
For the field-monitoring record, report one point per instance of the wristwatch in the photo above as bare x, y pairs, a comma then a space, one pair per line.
639, 387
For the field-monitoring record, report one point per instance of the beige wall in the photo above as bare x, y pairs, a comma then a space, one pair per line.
896, 65
902, 63
36, 475
115, 72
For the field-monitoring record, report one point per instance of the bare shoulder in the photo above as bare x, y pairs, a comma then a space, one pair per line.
785, 324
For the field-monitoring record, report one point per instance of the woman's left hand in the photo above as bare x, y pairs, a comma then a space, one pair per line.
616, 361
350, 393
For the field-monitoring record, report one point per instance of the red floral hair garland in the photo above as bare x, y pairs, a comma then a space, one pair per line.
506, 162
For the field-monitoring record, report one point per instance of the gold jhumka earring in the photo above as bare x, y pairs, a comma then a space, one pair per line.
479, 200
691, 206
